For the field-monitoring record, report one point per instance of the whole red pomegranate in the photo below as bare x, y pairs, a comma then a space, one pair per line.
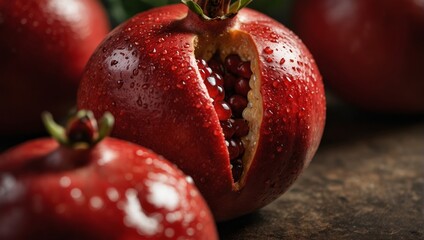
44, 46
234, 99
87, 187
370, 52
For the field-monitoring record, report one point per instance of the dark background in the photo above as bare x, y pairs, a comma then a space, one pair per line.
365, 182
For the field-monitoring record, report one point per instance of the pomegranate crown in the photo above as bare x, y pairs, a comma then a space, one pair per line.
215, 9
82, 130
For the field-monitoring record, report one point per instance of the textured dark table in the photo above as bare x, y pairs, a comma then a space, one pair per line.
365, 182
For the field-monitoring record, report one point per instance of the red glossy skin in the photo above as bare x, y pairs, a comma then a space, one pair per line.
44, 46
145, 73
370, 52
116, 190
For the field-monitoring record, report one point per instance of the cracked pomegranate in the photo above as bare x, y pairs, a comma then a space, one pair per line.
229, 99
215, 95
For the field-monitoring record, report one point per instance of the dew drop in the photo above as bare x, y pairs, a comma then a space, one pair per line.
96, 203
135, 72
120, 83
65, 181
113, 62
139, 102
268, 50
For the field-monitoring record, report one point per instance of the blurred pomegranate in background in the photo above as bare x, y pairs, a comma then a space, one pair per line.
370, 52
44, 46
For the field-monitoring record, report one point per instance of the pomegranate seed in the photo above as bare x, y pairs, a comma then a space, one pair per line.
229, 82
208, 71
242, 87
212, 87
241, 127
244, 70
216, 66
202, 73
228, 128
221, 94
223, 110
233, 149
237, 169
230, 99
238, 104
232, 62
218, 79
240, 147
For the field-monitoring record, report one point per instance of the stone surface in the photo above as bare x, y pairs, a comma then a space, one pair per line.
366, 182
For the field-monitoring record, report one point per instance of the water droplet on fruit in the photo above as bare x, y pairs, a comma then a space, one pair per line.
169, 232
153, 52
120, 83
76, 193
268, 50
96, 203
113, 62
65, 182
139, 102
135, 72
112, 194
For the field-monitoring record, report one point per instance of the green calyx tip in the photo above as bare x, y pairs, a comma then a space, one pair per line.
229, 12
82, 130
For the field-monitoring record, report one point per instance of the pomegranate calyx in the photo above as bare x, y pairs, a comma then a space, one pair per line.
82, 130
215, 9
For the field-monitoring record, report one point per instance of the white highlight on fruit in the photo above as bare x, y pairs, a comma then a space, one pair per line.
169, 232
135, 216
163, 196
112, 194
76, 193
106, 157
65, 182
173, 217
189, 180
10, 189
73, 11
96, 202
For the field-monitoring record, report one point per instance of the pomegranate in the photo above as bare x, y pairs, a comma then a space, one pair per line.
231, 97
44, 46
90, 186
371, 52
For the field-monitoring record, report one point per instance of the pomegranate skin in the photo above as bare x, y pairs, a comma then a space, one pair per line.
370, 52
44, 46
114, 190
145, 73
